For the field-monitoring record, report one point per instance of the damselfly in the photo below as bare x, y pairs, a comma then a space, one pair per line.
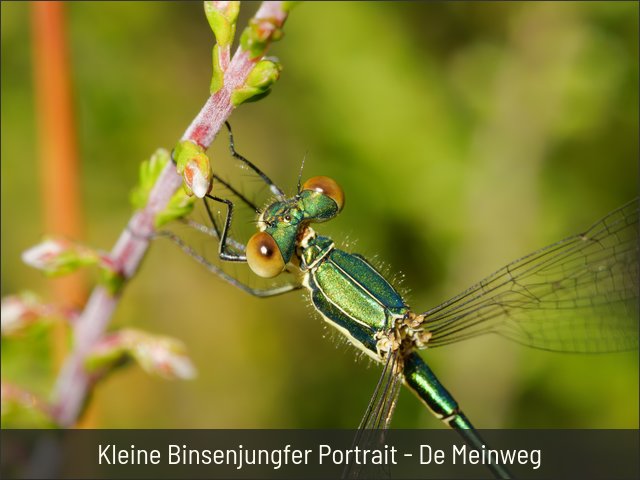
577, 295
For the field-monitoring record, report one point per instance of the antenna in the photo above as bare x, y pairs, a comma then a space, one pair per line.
300, 173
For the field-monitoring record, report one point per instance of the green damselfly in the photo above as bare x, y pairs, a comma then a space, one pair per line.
577, 295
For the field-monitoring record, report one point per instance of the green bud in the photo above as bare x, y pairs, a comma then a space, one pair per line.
222, 20
108, 354
194, 166
258, 83
157, 355
179, 205
264, 74
256, 37
183, 152
58, 256
110, 279
19, 312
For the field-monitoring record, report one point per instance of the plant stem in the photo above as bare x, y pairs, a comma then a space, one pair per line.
73, 383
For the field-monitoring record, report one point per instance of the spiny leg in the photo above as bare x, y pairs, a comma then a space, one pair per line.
237, 193
272, 186
226, 242
224, 251
215, 230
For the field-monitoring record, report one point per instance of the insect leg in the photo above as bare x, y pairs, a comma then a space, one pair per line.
257, 292
272, 186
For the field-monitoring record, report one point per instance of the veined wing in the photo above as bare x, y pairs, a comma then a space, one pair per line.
577, 295
379, 412
384, 398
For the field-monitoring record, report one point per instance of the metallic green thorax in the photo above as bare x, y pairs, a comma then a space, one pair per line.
349, 292
344, 288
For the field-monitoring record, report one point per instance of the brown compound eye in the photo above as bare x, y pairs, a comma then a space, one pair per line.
263, 255
327, 186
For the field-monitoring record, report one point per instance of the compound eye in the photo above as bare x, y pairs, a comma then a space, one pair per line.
263, 255
327, 186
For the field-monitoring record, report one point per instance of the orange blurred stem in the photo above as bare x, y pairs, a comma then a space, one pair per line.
58, 154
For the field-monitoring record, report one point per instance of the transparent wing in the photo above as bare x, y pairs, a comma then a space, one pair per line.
384, 398
378, 415
577, 295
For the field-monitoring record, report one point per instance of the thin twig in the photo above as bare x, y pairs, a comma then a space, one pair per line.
73, 383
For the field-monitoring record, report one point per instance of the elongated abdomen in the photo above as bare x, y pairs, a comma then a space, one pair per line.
423, 382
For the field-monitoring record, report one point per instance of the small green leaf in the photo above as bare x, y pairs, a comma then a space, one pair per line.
258, 83
180, 205
59, 256
23, 311
149, 172
22, 409
217, 78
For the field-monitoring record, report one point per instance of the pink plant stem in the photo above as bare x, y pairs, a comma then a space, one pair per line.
74, 383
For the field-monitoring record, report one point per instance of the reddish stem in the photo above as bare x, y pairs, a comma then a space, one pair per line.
73, 382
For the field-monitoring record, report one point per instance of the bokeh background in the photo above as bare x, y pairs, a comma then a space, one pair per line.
464, 134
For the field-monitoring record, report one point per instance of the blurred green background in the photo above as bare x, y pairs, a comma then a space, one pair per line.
464, 135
